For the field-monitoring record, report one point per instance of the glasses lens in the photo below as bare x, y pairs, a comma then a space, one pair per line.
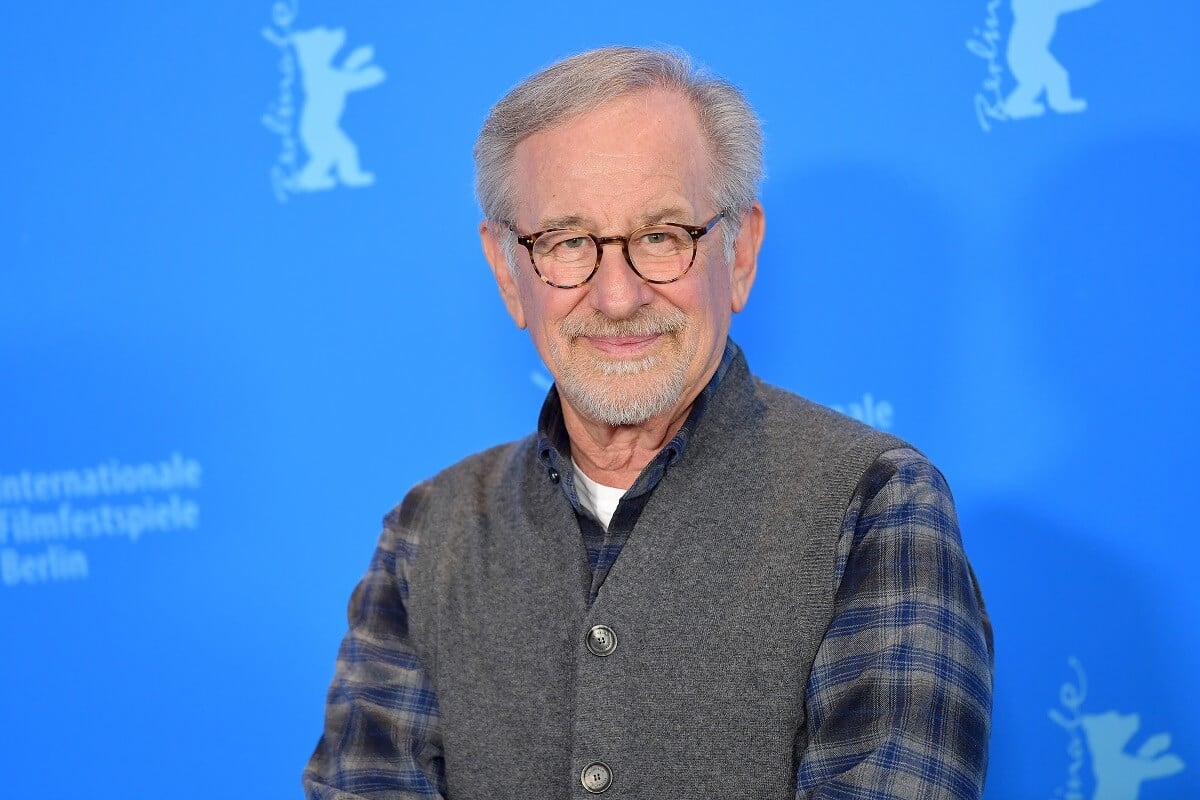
661, 252
565, 257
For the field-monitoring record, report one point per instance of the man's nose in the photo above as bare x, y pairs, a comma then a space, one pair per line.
616, 290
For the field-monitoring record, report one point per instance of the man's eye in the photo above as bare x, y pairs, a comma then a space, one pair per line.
574, 243
654, 238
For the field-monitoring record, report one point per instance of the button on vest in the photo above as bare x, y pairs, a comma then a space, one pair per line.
601, 641
596, 777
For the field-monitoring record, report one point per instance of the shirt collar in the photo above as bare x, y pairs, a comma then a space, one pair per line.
554, 445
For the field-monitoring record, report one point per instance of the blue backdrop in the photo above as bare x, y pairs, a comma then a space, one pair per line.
227, 348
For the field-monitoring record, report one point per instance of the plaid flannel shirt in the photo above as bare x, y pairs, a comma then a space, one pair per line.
899, 696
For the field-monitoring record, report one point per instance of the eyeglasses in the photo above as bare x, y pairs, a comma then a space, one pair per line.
568, 257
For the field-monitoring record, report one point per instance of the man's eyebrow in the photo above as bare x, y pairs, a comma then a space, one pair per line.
664, 214
565, 221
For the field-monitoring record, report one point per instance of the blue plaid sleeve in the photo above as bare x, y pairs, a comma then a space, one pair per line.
899, 697
382, 736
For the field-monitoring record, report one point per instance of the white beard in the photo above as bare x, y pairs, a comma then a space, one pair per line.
622, 392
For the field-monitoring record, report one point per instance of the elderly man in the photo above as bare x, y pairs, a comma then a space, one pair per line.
686, 583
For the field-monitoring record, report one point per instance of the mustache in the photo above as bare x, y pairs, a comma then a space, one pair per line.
646, 323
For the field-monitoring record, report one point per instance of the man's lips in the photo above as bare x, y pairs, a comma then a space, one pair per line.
621, 345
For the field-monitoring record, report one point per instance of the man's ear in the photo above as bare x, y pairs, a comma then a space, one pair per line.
745, 255
489, 236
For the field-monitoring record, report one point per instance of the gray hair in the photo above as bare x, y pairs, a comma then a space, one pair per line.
584, 82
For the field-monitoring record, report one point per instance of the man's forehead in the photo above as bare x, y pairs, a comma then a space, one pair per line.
641, 157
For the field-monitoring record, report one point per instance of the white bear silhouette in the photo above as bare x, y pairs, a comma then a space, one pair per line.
1033, 66
1119, 775
325, 90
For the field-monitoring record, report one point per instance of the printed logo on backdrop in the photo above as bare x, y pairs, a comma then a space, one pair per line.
1103, 740
876, 413
1028, 78
307, 56
50, 521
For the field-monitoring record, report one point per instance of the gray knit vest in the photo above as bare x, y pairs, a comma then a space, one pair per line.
718, 602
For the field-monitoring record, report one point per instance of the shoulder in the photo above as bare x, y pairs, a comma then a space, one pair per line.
792, 411
903, 492
798, 429
467, 483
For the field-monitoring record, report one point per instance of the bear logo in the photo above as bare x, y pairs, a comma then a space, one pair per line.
1031, 63
330, 150
1119, 774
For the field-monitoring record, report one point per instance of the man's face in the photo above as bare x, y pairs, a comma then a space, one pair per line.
624, 351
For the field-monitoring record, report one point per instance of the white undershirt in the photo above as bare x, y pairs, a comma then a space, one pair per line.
599, 500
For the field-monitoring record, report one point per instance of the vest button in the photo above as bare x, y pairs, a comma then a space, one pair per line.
553, 475
601, 641
596, 777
